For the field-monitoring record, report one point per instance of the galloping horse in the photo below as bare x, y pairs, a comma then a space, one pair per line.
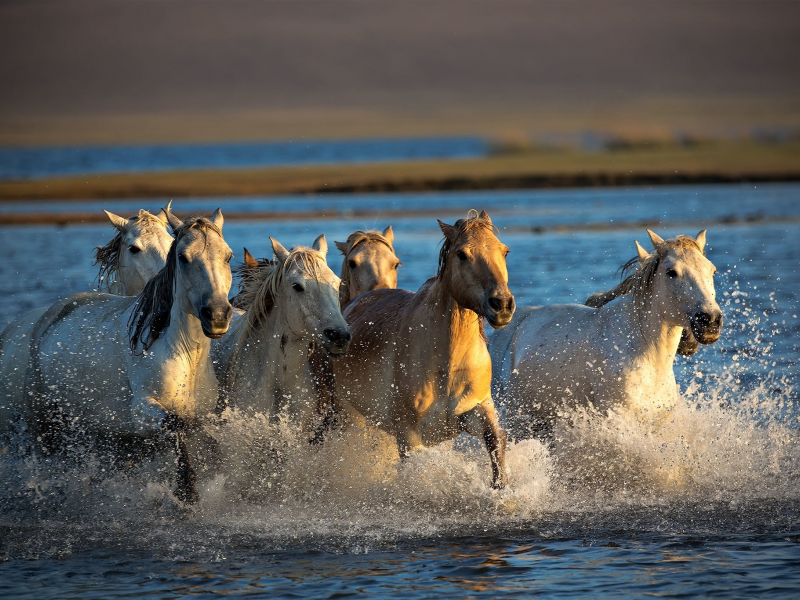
136, 367
572, 355
290, 307
418, 367
369, 263
134, 255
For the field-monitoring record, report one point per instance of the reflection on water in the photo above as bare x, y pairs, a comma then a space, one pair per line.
707, 503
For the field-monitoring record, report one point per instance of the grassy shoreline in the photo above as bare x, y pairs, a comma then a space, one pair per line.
666, 164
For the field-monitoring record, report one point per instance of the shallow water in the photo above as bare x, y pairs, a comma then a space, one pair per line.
707, 504
28, 163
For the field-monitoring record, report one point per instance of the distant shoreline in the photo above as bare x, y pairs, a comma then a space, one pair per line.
704, 163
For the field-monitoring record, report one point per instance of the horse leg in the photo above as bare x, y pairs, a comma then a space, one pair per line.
186, 478
482, 421
407, 440
322, 375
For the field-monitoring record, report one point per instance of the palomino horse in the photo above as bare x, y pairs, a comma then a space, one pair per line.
418, 367
369, 263
137, 367
136, 253
290, 306
570, 355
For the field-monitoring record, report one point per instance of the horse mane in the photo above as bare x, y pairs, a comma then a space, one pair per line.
640, 280
246, 275
462, 226
151, 311
108, 256
353, 240
260, 285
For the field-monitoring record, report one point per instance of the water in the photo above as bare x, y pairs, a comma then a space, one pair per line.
708, 505
28, 163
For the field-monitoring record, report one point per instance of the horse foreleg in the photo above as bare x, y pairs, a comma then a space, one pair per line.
407, 440
186, 478
322, 375
482, 421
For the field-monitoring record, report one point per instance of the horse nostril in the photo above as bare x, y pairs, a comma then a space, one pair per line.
206, 313
337, 335
702, 319
495, 304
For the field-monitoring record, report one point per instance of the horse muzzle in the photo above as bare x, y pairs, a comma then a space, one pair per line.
336, 340
706, 327
499, 309
216, 320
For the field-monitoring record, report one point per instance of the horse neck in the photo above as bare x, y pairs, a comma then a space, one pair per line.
269, 350
650, 330
455, 329
185, 335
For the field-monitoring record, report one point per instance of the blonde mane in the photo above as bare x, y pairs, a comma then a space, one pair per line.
353, 240
108, 256
641, 279
151, 311
260, 285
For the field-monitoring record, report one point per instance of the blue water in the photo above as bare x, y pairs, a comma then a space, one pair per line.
591, 517
29, 163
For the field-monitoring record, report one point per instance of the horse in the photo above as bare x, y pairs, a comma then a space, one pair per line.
124, 368
136, 253
133, 256
290, 307
418, 367
369, 263
620, 354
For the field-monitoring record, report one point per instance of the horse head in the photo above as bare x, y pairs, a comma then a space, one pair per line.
308, 293
369, 263
684, 279
136, 254
472, 264
201, 262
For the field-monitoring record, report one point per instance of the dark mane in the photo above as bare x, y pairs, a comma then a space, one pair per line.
461, 226
353, 240
151, 312
248, 275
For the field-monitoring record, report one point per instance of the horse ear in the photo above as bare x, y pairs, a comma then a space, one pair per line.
389, 234
342, 246
321, 245
249, 261
280, 252
643, 255
173, 221
217, 219
448, 230
655, 239
161, 216
485, 216
119, 222
701, 239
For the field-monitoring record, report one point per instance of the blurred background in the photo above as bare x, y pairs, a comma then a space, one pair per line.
476, 94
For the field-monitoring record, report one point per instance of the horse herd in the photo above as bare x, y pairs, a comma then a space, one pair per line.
166, 351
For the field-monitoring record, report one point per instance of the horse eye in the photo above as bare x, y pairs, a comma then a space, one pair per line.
134, 249
397, 266
461, 255
183, 259
297, 287
351, 264
672, 273
229, 259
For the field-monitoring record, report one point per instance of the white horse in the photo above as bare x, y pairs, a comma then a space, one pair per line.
132, 258
136, 253
136, 367
290, 306
621, 354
